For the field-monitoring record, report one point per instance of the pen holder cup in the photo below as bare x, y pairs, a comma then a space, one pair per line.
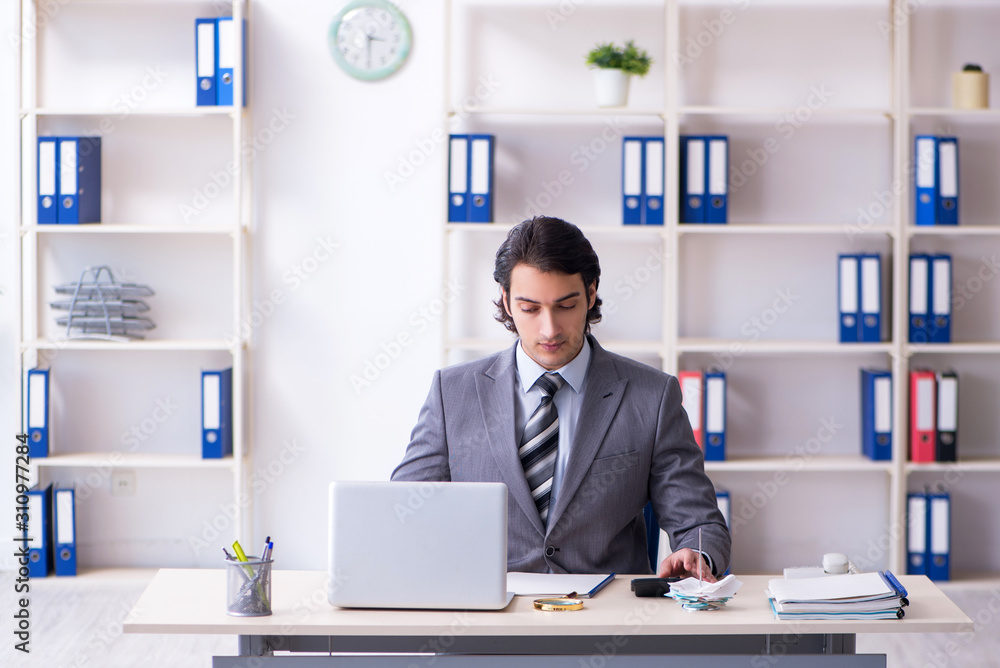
248, 588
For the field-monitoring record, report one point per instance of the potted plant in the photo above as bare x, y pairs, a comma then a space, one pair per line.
613, 67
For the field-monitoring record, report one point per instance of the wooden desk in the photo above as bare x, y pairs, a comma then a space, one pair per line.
614, 624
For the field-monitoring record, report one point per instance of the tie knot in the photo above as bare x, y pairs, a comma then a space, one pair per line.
550, 383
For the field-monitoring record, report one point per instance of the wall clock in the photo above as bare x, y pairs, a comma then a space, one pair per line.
369, 39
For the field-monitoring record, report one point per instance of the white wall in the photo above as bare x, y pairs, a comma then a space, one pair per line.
321, 182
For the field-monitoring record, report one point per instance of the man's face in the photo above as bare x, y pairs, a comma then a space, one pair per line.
550, 312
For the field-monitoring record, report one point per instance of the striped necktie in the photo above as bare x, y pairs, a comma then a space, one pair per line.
540, 442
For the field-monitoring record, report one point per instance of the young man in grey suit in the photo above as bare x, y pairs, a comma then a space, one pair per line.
583, 438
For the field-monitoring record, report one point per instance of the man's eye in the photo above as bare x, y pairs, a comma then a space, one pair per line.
567, 307
528, 310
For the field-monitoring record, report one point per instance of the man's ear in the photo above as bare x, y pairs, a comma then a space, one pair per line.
591, 295
505, 302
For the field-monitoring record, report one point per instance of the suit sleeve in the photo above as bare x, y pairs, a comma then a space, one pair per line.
682, 495
426, 456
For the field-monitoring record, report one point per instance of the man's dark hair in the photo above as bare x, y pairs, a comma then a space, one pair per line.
548, 245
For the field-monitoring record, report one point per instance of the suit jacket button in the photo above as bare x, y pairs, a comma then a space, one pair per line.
549, 551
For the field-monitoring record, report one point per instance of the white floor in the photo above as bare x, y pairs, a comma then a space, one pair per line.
77, 623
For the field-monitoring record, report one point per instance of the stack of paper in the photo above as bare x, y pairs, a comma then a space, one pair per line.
695, 594
875, 595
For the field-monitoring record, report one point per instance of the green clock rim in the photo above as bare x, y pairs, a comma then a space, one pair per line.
382, 72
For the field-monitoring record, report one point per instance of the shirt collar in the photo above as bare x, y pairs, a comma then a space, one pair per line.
574, 373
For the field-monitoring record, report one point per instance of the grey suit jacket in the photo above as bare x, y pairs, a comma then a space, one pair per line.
633, 444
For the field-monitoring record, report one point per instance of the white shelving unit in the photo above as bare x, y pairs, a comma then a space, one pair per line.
198, 268
699, 327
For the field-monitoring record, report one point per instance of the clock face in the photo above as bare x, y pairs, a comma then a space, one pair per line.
369, 39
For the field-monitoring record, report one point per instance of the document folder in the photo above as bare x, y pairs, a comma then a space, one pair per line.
64, 516
939, 536
692, 387
652, 195
216, 414
722, 499
228, 52
923, 437
693, 167
715, 416
871, 299
480, 178
79, 180
926, 155
876, 414
916, 534
947, 417
48, 180
205, 55
849, 272
38, 413
939, 323
919, 297
632, 180
717, 210
947, 213
458, 179
39, 532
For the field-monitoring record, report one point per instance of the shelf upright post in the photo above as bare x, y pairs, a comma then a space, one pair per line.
241, 284
900, 57
670, 242
446, 232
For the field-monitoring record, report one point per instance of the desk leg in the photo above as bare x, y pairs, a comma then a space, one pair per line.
254, 646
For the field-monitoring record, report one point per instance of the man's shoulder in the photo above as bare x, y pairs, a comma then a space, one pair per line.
631, 369
468, 370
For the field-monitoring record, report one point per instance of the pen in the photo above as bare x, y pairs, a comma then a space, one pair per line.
701, 558
263, 550
229, 557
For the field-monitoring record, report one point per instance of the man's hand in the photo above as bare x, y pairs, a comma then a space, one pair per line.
685, 563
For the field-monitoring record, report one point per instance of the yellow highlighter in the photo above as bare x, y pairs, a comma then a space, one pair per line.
240, 554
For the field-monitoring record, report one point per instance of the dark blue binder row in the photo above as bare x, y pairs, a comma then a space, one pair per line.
642, 180
470, 178
930, 298
50, 532
860, 297
928, 536
215, 54
216, 414
936, 180
69, 180
876, 414
704, 189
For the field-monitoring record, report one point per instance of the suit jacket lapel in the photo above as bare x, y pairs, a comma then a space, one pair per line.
496, 402
604, 392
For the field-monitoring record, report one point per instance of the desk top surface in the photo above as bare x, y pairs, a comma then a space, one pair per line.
193, 601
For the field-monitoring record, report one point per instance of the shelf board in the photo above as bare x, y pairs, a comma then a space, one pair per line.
132, 460
169, 112
983, 114
843, 112
596, 112
615, 230
953, 230
145, 345
969, 348
847, 229
685, 345
965, 465
130, 228
795, 463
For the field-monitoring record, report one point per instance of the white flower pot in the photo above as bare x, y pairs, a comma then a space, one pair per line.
611, 86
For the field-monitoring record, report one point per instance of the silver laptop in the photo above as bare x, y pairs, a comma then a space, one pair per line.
418, 545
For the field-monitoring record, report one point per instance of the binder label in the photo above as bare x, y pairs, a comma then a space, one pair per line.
212, 393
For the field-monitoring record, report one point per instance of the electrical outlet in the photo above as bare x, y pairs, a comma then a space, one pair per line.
122, 483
